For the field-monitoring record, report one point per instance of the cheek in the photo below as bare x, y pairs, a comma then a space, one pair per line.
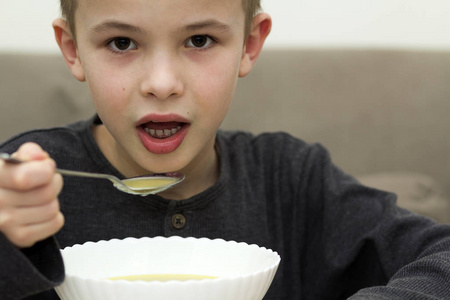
108, 91
217, 83
110, 100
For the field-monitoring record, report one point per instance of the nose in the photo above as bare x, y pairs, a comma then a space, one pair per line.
161, 78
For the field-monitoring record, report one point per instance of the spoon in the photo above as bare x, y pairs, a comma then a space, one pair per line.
140, 185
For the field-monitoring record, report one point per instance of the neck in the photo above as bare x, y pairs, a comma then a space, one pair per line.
198, 177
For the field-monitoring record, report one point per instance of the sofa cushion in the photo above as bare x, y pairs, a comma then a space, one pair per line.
374, 110
416, 192
39, 91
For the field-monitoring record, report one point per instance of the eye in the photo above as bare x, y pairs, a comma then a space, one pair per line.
122, 44
199, 41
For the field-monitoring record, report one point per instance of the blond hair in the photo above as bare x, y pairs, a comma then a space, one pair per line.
69, 7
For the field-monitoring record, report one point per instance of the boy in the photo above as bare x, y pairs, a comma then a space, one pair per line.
162, 74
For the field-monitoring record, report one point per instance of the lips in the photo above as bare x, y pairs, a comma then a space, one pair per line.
162, 134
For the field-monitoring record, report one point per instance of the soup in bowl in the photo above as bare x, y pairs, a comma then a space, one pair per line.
162, 268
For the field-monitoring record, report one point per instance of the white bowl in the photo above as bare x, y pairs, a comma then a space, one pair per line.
243, 271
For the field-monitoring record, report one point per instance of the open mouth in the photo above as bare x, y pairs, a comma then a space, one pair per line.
162, 130
162, 133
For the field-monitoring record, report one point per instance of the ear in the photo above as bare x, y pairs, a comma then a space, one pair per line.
261, 26
68, 47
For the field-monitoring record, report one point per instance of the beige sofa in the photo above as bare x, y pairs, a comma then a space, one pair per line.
383, 114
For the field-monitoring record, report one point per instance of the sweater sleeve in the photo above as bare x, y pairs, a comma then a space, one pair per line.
29, 271
371, 248
427, 277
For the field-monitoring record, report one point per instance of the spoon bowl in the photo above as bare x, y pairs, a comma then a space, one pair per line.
141, 185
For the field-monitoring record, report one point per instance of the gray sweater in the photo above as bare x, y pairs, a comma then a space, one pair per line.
335, 236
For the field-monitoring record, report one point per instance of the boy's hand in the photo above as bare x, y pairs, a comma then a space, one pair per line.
29, 207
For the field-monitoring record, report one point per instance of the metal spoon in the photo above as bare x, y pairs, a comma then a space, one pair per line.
140, 185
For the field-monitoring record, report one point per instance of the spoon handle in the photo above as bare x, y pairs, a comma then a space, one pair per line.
6, 157
83, 174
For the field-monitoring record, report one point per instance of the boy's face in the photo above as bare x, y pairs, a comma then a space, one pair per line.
162, 74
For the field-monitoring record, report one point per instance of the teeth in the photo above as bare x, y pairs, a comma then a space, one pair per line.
162, 133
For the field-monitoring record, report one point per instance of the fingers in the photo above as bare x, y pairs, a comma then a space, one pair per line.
28, 217
28, 235
24, 226
29, 207
27, 176
31, 215
40, 195
37, 171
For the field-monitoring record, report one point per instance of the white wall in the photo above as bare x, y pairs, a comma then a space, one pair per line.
361, 23
25, 25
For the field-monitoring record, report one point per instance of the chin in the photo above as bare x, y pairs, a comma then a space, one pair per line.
163, 164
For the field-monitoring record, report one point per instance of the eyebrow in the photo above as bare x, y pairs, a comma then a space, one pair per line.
207, 24
115, 25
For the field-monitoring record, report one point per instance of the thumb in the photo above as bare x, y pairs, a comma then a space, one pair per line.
30, 151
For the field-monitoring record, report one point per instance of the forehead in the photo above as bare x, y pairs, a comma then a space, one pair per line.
166, 13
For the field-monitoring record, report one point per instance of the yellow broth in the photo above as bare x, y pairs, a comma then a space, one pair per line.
146, 183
